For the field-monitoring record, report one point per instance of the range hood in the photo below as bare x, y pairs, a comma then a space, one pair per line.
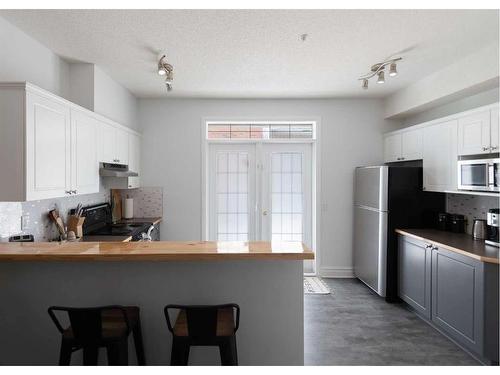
116, 170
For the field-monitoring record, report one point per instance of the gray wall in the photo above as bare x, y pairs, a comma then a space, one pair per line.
483, 98
114, 101
22, 58
351, 135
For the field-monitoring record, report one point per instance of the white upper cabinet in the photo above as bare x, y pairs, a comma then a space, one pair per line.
48, 148
121, 146
440, 156
412, 144
134, 147
84, 167
392, 148
107, 143
474, 134
403, 146
51, 148
495, 134
113, 144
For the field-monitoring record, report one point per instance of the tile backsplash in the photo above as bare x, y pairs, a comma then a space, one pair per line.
148, 202
35, 219
471, 206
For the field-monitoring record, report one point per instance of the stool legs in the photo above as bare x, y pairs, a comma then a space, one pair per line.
139, 347
90, 355
118, 353
65, 353
180, 352
228, 352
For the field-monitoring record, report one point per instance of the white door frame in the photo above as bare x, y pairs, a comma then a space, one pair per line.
316, 170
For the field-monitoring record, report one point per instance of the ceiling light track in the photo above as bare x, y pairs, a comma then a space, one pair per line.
379, 70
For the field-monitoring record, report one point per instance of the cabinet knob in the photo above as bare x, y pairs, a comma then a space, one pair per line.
434, 248
73, 191
428, 246
67, 191
494, 148
486, 148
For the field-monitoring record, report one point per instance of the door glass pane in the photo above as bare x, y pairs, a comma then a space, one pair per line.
232, 195
286, 202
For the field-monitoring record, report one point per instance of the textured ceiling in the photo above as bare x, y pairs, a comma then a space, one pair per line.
258, 53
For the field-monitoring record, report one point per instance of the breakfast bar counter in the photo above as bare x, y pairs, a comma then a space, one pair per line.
264, 278
153, 251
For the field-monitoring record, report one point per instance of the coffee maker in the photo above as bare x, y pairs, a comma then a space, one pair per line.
493, 224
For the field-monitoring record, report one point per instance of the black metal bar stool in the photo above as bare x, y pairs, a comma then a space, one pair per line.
204, 326
96, 327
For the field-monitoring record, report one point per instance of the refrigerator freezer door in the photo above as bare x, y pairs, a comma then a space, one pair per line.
371, 185
370, 248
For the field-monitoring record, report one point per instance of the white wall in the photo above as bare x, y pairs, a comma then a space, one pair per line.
22, 58
351, 135
472, 74
81, 85
113, 100
483, 98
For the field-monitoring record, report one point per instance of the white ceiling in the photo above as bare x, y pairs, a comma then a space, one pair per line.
258, 53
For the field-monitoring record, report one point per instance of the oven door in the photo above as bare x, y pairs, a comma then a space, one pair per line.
474, 175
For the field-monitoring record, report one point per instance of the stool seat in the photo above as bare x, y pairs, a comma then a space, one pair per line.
106, 326
204, 325
225, 323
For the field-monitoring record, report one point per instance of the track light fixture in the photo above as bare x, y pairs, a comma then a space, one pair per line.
167, 70
393, 70
379, 71
381, 77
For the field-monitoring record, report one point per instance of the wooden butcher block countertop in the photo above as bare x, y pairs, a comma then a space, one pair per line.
457, 242
153, 251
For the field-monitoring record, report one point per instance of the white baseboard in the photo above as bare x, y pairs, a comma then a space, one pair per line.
337, 272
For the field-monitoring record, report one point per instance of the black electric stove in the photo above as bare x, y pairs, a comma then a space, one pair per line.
98, 222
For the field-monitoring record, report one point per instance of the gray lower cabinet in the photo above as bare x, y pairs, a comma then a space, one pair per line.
456, 293
465, 301
457, 298
414, 276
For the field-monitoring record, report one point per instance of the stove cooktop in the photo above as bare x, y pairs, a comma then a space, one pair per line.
98, 223
121, 229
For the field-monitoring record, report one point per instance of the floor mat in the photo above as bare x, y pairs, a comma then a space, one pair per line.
314, 285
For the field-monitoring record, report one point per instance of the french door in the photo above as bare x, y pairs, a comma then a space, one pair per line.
260, 192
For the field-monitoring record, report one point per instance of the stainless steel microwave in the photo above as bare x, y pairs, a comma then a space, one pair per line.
478, 175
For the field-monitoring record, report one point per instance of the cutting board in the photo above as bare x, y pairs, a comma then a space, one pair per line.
116, 205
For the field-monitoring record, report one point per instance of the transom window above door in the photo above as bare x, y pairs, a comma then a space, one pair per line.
260, 131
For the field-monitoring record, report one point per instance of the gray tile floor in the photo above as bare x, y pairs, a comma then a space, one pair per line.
353, 326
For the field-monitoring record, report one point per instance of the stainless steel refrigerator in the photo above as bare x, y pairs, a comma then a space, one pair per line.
385, 198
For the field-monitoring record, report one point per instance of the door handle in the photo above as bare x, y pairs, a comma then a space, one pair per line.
264, 213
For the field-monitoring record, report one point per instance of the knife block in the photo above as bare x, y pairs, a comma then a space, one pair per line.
75, 224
